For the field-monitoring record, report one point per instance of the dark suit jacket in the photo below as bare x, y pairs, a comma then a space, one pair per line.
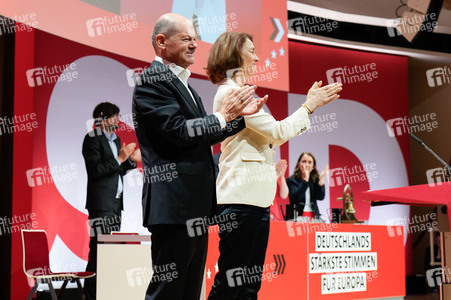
297, 190
103, 172
175, 136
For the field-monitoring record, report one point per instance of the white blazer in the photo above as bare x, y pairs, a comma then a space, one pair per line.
246, 167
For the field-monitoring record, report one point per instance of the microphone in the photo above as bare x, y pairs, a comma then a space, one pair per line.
417, 139
430, 151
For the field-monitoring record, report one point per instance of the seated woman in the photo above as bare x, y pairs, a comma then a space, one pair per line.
306, 186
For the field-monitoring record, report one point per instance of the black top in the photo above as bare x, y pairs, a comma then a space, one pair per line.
297, 194
103, 173
175, 135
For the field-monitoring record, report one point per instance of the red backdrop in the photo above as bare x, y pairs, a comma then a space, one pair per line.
386, 96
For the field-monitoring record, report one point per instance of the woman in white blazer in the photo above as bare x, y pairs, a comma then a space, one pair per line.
246, 183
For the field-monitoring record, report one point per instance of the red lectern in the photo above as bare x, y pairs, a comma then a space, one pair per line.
438, 194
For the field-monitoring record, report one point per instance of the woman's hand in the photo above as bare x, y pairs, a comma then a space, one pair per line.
323, 175
281, 167
305, 172
319, 95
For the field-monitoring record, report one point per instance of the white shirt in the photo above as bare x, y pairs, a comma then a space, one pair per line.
183, 74
308, 203
113, 147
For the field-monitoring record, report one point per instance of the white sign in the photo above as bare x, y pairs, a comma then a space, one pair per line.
343, 283
341, 262
343, 241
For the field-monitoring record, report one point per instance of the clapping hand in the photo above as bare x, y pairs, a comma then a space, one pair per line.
241, 103
126, 151
323, 175
318, 96
281, 167
136, 156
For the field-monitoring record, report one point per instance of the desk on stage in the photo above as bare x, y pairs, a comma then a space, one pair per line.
325, 261
124, 267
123, 270
435, 195
303, 261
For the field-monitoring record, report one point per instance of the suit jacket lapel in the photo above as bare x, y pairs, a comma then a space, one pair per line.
158, 67
106, 145
118, 144
198, 101
117, 141
181, 87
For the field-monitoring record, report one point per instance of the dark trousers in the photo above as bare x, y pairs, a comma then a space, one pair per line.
178, 262
242, 252
100, 225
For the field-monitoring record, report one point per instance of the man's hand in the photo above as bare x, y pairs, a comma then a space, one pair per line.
318, 96
254, 106
126, 151
136, 156
236, 101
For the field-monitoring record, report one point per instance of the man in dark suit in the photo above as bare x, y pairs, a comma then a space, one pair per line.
175, 134
106, 162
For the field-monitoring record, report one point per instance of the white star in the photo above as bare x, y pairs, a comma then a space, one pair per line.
273, 53
267, 62
216, 268
208, 274
282, 52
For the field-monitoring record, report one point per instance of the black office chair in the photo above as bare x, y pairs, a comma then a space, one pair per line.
288, 215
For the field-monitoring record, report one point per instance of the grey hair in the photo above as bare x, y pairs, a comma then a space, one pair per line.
167, 26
